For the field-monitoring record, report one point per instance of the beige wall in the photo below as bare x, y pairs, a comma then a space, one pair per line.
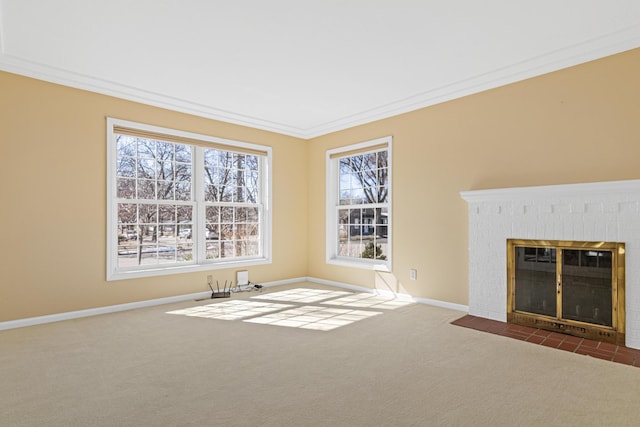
577, 125
53, 216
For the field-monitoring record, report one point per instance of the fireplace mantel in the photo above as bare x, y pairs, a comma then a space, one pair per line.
602, 211
552, 191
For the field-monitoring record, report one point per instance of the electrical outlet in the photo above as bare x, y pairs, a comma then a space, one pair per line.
413, 274
210, 280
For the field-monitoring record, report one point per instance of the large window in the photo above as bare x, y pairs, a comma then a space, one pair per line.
183, 202
359, 205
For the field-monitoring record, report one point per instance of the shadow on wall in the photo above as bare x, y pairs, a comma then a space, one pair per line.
388, 283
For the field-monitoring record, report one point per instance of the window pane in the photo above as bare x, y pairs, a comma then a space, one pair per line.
213, 250
252, 231
146, 148
185, 233
127, 256
253, 215
227, 249
241, 248
183, 190
167, 213
185, 253
127, 167
149, 234
253, 248
355, 216
209, 175
125, 146
226, 214
211, 193
165, 151
165, 171
369, 161
167, 254
226, 232
126, 188
166, 190
381, 223
148, 213
127, 213
213, 232
146, 169
343, 231
182, 172
149, 255
241, 231
183, 153
146, 189
241, 215
185, 214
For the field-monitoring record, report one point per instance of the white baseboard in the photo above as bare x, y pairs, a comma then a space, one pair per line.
31, 321
283, 282
50, 318
401, 296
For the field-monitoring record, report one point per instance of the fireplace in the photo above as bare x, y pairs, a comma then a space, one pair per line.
564, 225
569, 287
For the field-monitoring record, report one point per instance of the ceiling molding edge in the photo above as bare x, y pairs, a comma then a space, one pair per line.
589, 50
577, 54
15, 65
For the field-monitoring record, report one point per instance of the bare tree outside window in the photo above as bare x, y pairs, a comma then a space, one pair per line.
156, 177
232, 196
363, 210
180, 201
157, 226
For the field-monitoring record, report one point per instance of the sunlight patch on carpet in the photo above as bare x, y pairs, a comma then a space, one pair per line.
302, 295
312, 317
366, 300
231, 310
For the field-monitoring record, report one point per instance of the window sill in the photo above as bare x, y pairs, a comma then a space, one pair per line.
153, 272
385, 267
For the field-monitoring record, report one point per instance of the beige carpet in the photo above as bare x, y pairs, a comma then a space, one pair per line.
405, 367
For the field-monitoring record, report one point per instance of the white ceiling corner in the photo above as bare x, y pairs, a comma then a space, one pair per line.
305, 68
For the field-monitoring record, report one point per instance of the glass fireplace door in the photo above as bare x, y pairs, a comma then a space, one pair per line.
567, 286
587, 286
536, 280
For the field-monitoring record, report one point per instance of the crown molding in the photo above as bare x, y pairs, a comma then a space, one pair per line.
586, 51
15, 65
596, 48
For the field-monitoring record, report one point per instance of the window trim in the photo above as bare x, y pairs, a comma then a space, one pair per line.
206, 141
332, 200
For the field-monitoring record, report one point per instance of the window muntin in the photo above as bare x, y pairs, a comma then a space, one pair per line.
184, 205
358, 205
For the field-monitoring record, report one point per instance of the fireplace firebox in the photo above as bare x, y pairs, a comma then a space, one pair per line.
570, 287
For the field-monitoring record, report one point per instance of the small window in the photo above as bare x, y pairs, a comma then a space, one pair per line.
184, 202
359, 205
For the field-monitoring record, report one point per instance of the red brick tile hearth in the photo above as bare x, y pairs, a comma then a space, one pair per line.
601, 350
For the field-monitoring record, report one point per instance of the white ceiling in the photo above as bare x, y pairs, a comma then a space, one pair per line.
305, 68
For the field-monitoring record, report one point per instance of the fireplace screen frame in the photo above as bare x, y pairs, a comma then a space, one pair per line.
614, 333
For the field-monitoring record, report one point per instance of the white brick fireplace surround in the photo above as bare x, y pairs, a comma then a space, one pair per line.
596, 212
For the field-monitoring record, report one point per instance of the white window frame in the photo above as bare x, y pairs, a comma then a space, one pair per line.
333, 199
199, 262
